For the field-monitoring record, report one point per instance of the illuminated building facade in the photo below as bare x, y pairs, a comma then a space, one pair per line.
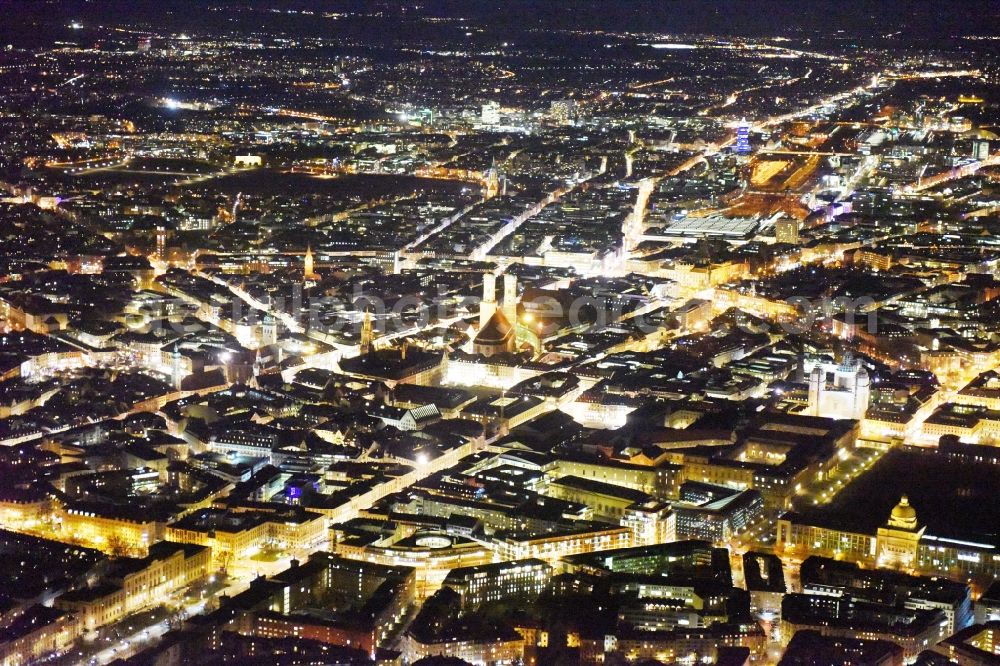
36, 632
521, 579
839, 391
901, 542
743, 137
137, 584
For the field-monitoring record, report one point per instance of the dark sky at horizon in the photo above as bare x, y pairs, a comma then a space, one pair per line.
861, 19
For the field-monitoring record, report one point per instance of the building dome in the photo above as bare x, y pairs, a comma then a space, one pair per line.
903, 515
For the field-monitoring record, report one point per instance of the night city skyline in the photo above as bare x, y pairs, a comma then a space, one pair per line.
528, 333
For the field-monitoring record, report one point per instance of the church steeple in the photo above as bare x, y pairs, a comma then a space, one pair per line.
307, 268
491, 185
367, 334
175, 367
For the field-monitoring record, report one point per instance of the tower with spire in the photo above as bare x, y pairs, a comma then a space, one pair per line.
367, 333
491, 185
308, 272
177, 373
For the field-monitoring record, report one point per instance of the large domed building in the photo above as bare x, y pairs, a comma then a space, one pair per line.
903, 515
898, 539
